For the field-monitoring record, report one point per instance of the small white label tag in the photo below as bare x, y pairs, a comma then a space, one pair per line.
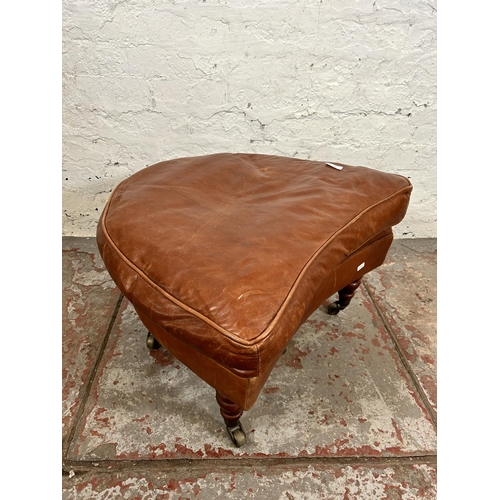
338, 167
361, 266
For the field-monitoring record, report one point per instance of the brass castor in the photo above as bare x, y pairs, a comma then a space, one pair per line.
231, 414
334, 308
345, 296
151, 342
237, 435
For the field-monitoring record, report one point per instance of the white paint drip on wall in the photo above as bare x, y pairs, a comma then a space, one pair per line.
350, 81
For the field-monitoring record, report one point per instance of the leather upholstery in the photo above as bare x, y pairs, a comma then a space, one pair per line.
226, 255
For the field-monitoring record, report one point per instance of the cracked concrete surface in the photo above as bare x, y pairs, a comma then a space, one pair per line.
349, 411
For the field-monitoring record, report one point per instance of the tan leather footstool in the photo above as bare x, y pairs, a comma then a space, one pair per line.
225, 256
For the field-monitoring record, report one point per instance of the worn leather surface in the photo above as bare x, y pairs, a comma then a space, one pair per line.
230, 253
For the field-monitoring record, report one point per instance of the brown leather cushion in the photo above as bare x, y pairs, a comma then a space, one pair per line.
216, 249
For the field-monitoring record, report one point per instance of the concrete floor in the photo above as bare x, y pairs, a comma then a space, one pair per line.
349, 411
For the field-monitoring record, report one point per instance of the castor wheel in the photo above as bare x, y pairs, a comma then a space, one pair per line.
151, 342
334, 308
345, 296
237, 435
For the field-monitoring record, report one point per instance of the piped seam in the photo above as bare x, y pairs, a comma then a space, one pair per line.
205, 319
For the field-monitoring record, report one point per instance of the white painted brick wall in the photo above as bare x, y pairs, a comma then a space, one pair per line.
144, 81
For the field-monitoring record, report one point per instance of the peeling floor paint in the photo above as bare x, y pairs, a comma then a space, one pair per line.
89, 298
335, 392
408, 482
339, 391
411, 313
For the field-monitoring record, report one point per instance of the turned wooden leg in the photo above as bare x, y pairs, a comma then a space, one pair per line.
345, 296
231, 414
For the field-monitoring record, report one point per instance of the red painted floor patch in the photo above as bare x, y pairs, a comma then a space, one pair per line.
89, 298
409, 482
350, 397
340, 390
410, 310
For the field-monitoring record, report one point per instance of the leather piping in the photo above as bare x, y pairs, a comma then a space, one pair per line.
201, 316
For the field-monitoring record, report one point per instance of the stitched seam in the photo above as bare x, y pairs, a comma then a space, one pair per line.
203, 353
279, 313
159, 289
308, 264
